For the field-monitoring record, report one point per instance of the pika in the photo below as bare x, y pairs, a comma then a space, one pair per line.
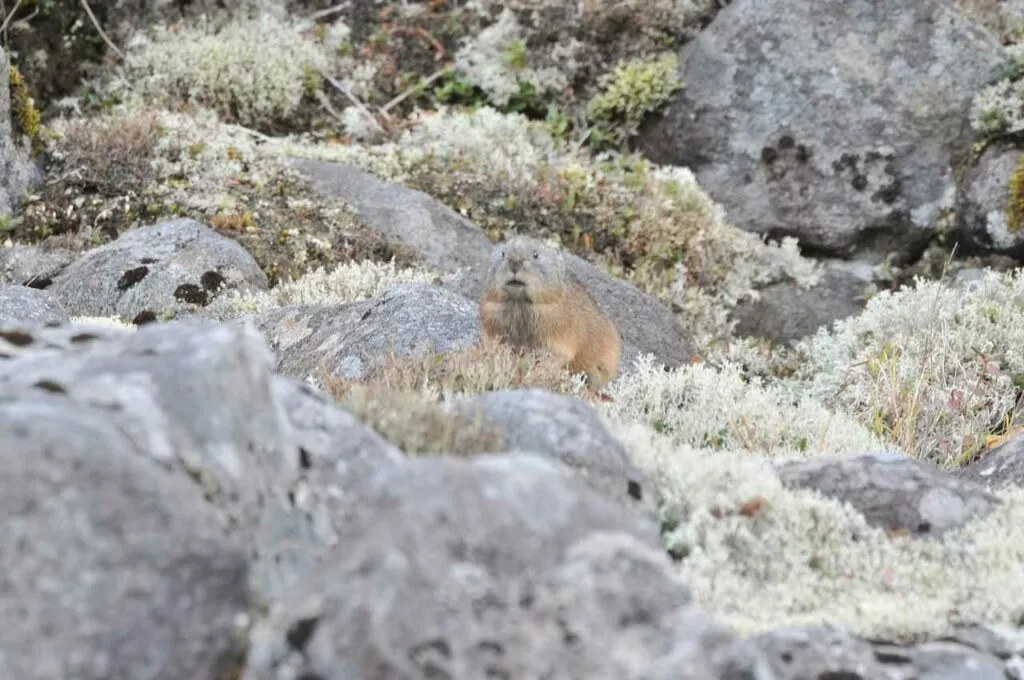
531, 300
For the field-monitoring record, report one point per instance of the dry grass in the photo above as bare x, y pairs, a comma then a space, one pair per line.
402, 398
113, 154
487, 367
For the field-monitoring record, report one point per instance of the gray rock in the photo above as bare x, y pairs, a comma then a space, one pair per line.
951, 661
894, 492
502, 566
442, 237
999, 467
803, 653
408, 319
174, 266
841, 133
336, 455
447, 241
31, 265
114, 565
18, 173
568, 430
191, 396
982, 216
787, 312
21, 305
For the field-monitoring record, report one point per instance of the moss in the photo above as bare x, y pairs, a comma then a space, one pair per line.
1015, 197
23, 108
632, 90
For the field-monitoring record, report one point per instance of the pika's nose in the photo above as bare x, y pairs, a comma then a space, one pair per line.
515, 264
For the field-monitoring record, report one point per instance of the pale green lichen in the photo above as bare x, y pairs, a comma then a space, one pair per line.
999, 108
253, 72
762, 556
934, 367
497, 61
702, 406
633, 89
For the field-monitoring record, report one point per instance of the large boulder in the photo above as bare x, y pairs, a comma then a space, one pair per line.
450, 243
839, 132
177, 266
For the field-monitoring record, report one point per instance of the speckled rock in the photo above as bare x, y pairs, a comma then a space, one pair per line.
982, 216
893, 491
843, 132
172, 267
32, 265
500, 566
22, 305
570, 431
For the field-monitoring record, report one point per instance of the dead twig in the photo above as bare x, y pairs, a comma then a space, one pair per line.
421, 33
99, 29
7, 20
418, 86
352, 98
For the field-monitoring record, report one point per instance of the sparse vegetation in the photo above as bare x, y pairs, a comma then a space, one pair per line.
631, 91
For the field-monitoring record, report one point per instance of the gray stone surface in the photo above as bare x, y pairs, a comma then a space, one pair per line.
32, 265
18, 173
982, 204
787, 312
568, 430
839, 132
408, 319
174, 266
442, 237
193, 396
21, 305
894, 492
999, 467
502, 566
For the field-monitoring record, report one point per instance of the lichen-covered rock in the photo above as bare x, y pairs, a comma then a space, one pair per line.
17, 171
444, 239
408, 319
840, 133
336, 455
31, 265
503, 566
999, 467
168, 267
798, 653
990, 215
21, 305
788, 312
115, 566
195, 397
894, 492
570, 431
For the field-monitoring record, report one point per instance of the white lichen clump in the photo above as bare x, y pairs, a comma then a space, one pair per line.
999, 108
348, 282
763, 557
932, 366
719, 408
254, 72
496, 61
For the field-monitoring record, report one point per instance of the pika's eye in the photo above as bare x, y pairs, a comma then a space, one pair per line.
536, 254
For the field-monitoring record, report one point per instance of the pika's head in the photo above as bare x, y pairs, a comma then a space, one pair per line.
525, 269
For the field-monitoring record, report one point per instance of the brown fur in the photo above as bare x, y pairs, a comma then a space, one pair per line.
530, 300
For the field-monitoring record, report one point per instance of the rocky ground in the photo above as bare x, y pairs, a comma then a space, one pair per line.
250, 428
